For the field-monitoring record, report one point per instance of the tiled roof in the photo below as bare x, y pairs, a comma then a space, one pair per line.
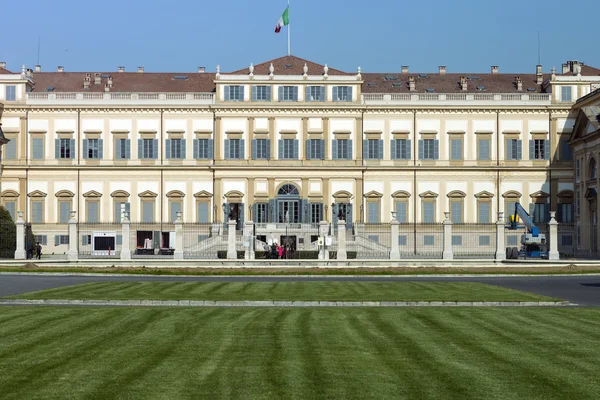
4, 71
289, 65
586, 70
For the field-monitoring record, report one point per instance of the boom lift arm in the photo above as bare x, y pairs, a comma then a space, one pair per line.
527, 221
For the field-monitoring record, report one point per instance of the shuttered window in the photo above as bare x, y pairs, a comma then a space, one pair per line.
456, 212
10, 149
373, 149
373, 211
428, 212
122, 149
148, 149
64, 211
175, 148
456, 149
37, 148
539, 149
288, 149
261, 149
402, 211
11, 93
429, 149
147, 211
92, 148
64, 148
483, 212
37, 212
513, 149
203, 212
92, 211
315, 149
400, 149
483, 150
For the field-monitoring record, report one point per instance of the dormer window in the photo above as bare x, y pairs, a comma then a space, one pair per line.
342, 93
234, 93
11, 93
566, 94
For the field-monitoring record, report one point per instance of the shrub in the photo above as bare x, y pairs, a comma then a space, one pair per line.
8, 234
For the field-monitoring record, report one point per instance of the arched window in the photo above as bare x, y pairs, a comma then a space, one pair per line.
288, 190
288, 204
593, 169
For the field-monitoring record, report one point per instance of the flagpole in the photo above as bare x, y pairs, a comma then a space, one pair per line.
289, 46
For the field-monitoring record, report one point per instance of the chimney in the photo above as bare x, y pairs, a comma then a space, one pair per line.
3, 64
141, 70
494, 70
106, 88
97, 79
404, 69
201, 70
539, 76
411, 83
565, 68
87, 81
463, 83
110, 81
121, 69
519, 83
60, 68
38, 68
442, 69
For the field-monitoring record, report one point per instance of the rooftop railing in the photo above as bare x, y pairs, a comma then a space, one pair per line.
454, 97
128, 97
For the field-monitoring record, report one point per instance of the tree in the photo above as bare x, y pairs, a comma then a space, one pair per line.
8, 234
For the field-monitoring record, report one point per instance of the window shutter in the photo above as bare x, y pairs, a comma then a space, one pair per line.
509, 149
365, 149
255, 212
92, 212
546, 149
421, 144
196, 149
393, 154
128, 148
140, 149
242, 149
85, 149
334, 149
532, 150
280, 149
350, 96
84, 240
519, 150
268, 149
147, 208
118, 149
168, 148
322, 149
211, 148
456, 212
322, 95
335, 93
348, 216
307, 152
295, 93
428, 215
280, 93
183, 149
307, 94
155, 149
57, 148
254, 149
349, 149
408, 150
484, 213
268, 93
56, 240
175, 208
436, 152
100, 148
202, 212
72, 146
38, 149
401, 211
380, 149
227, 155
296, 156
272, 211
373, 213
226, 88
241, 98
254, 94
119, 240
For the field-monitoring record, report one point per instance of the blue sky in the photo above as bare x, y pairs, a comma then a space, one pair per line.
378, 35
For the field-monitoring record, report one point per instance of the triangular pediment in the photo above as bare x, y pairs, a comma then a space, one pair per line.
288, 65
587, 122
92, 193
202, 194
148, 193
373, 195
428, 194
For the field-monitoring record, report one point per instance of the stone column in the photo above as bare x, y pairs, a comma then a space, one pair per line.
553, 240
73, 253
178, 254
447, 254
126, 236
323, 232
231, 251
20, 253
395, 247
500, 246
249, 238
341, 253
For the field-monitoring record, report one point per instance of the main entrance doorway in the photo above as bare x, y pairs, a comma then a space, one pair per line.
288, 205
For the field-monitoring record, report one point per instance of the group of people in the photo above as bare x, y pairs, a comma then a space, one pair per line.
34, 251
275, 251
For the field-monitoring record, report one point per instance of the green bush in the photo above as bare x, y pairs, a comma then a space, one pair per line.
8, 234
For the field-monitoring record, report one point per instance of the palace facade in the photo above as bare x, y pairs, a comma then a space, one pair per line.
289, 141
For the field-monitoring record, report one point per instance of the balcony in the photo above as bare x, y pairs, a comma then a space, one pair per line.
535, 99
46, 98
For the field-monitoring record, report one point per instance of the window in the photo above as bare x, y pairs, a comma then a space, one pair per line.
234, 93
41, 239
564, 213
513, 149
10, 149
148, 211
428, 149
566, 152
86, 240
401, 211
485, 240
61, 239
234, 149
456, 149
456, 211
261, 149
11, 93
429, 212
122, 149
37, 211
373, 149
203, 149
315, 93
577, 170
11, 207
402, 240
92, 148
509, 207
593, 169
316, 213
65, 148
540, 213
565, 93
175, 148
262, 213
456, 240
539, 149
64, 211
483, 151
93, 209
148, 149
288, 149
203, 212
37, 149
315, 149
484, 215
175, 207
373, 214
429, 240
400, 149
261, 93
342, 93
121, 207
341, 149
288, 93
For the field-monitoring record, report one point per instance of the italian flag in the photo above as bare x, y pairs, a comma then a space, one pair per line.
284, 20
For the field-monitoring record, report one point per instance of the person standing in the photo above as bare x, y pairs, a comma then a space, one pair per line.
279, 251
38, 250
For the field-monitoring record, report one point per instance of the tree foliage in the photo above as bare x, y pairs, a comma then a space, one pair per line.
8, 234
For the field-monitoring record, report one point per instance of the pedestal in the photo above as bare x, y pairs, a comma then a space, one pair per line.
395, 247
20, 253
231, 251
448, 254
553, 239
125, 234
500, 243
342, 254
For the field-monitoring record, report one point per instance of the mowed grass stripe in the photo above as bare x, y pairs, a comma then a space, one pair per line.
298, 353
286, 291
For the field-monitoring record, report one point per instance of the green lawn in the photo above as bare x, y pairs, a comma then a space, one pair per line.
178, 353
307, 291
